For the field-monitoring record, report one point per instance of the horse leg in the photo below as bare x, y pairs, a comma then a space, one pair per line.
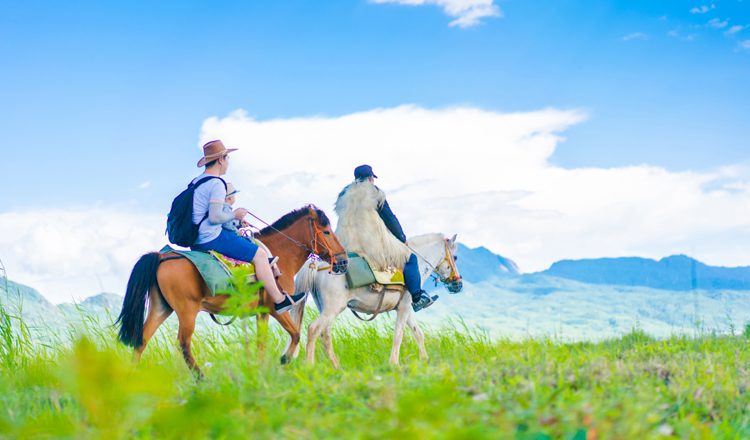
298, 316
158, 312
262, 325
326, 337
398, 332
411, 321
187, 328
288, 324
325, 320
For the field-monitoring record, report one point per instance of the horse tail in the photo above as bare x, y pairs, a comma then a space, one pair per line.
305, 281
142, 279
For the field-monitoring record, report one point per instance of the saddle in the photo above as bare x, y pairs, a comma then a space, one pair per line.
359, 274
216, 269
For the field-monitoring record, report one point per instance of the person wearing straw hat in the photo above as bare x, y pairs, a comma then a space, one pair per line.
209, 198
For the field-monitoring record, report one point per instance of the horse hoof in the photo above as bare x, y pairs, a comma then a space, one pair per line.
285, 359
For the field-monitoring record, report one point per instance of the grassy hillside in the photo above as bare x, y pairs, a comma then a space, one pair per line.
473, 387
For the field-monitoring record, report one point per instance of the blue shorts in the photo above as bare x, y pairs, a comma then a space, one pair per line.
231, 245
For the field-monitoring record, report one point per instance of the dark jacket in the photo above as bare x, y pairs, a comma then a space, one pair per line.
391, 222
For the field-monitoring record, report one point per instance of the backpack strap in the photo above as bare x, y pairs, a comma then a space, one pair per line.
206, 179
201, 182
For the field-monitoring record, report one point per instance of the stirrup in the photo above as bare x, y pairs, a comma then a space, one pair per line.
288, 302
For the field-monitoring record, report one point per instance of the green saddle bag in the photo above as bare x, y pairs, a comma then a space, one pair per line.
358, 273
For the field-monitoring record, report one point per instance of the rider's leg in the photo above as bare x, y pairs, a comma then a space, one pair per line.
419, 298
234, 246
411, 276
265, 274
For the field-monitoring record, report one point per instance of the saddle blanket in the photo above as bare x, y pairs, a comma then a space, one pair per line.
213, 267
359, 273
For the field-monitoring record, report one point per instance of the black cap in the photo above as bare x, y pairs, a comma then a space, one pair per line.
363, 172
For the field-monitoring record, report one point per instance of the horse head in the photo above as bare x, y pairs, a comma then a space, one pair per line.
325, 243
446, 270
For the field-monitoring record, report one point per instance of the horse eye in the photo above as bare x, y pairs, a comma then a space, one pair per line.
455, 258
326, 233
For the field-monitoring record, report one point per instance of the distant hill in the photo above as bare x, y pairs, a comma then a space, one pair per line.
677, 272
480, 264
37, 310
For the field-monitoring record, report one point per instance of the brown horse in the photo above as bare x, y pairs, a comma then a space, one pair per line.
174, 284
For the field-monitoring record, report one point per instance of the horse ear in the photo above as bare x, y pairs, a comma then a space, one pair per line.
453, 240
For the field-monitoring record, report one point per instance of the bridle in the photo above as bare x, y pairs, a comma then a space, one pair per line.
454, 277
316, 232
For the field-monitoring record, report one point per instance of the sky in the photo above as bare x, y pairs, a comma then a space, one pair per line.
541, 130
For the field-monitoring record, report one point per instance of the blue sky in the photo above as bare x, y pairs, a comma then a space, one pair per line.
121, 88
99, 99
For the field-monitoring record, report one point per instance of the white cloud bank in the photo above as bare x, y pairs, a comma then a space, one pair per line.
467, 12
487, 176
484, 175
78, 253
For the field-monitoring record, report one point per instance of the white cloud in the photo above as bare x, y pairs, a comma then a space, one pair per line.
487, 176
635, 35
484, 175
673, 33
744, 44
702, 10
65, 254
144, 185
735, 29
467, 12
717, 23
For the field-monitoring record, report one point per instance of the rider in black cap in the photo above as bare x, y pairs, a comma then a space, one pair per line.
412, 279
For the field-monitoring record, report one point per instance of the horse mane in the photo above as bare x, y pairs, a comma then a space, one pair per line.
425, 239
292, 217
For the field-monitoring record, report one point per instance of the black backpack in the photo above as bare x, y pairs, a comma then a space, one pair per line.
180, 227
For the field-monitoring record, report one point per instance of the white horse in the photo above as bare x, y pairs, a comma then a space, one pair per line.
332, 295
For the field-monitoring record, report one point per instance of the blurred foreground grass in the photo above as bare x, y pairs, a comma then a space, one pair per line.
634, 387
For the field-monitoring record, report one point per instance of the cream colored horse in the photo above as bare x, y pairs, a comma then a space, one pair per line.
332, 296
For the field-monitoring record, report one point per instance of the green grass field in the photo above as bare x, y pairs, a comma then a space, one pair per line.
634, 387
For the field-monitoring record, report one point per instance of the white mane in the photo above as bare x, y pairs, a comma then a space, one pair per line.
425, 240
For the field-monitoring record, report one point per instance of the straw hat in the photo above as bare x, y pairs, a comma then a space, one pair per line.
231, 190
212, 151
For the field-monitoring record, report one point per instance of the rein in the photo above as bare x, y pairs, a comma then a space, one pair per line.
315, 232
454, 276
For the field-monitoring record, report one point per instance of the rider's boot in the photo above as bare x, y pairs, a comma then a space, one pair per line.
422, 300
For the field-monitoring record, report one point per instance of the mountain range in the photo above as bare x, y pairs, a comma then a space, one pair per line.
577, 299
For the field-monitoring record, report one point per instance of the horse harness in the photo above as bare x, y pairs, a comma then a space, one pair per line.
453, 277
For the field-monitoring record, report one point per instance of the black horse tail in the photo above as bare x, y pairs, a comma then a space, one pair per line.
142, 279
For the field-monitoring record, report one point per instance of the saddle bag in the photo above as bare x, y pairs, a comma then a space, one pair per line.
180, 227
358, 273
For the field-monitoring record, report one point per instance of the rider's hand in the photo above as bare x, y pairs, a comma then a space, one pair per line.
245, 223
240, 213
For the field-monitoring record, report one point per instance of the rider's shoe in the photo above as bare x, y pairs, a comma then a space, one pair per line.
288, 302
422, 301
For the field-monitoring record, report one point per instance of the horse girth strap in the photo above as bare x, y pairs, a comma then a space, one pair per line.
380, 303
217, 321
